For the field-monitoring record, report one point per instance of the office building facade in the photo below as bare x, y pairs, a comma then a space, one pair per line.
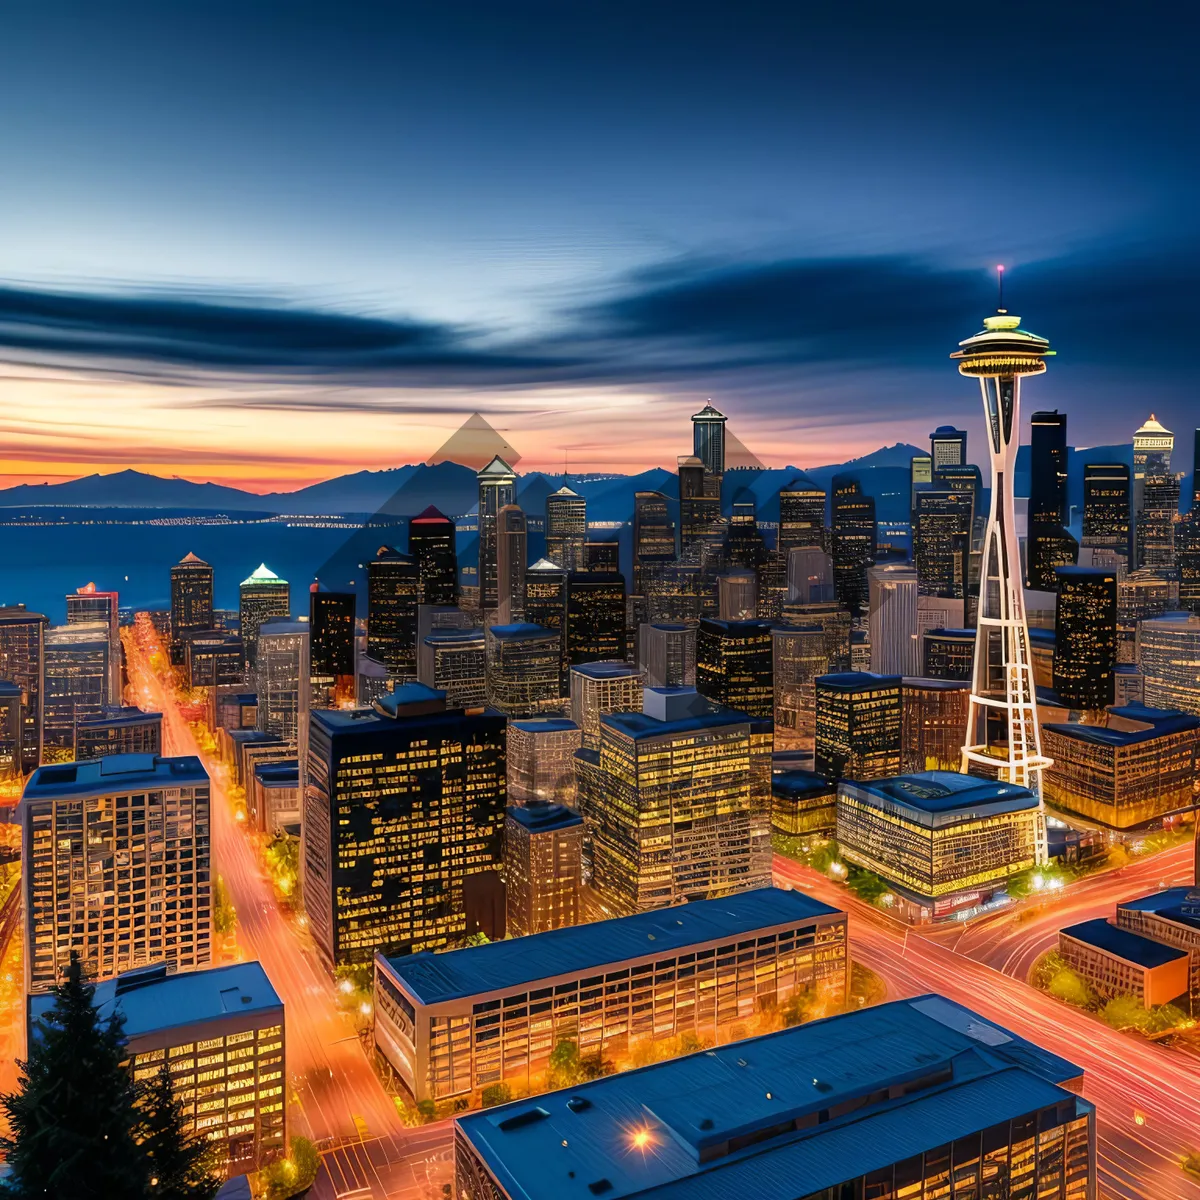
858, 725
942, 523
497, 487
799, 654
432, 541
956, 1102
1107, 509
115, 867
458, 666
1085, 636
1168, 656
667, 654
119, 731
22, 663
803, 804
702, 970
708, 439
541, 760
677, 802
801, 515
933, 721
566, 529
653, 538
282, 677
76, 684
331, 632
524, 669
852, 541
594, 625
87, 605
191, 601
948, 447
734, 665
892, 627
599, 688
543, 868
511, 560
947, 653
393, 595
403, 825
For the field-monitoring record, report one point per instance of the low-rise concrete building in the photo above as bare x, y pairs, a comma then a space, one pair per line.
1118, 962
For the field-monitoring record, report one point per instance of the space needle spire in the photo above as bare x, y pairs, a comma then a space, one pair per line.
1003, 739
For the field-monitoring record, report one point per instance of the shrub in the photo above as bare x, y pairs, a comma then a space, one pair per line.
495, 1093
1071, 987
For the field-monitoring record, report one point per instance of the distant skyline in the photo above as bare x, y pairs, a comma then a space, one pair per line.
265, 245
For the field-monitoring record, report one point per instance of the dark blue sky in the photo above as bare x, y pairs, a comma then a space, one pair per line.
543, 210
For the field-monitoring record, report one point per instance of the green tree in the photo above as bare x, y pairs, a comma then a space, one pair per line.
73, 1115
180, 1165
224, 914
1071, 987
564, 1069
495, 1093
294, 1175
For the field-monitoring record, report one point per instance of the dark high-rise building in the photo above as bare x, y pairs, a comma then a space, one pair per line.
76, 683
943, 519
403, 825
948, 447
393, 594
801, 514
947, 653
667, 654
744, 545
22, 663
1048, 468
118, 731
734, 665
920, 474
699, 503
771, 585
1107, 508
1155, 495
431, 541
1048, 545
708, 439
933, 723
1085, 636
511, 558
853, 541
524, 669
12, 730
566, 528
1187, 559
595, 617
858, 725
653, 537
543, 854
1196, 471
331, 636
497, 487
546, 595
261, 598
191, 601
88, 604
601, 557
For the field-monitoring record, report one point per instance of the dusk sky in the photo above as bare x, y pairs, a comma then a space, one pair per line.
264, 244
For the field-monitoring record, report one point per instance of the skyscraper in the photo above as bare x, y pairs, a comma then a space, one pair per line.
12, 730
88, 604
543, 856
653, 537
458, 665
933, 720
699, 503
810, 576
191, 601
1168, 655
598, 688
683, 774
497, 487
852, 540
541, 760
895, 638
948, 447
88, 888
595, 620
943, 519
801, 514
330, 641
1048, 545
511, 560
282, 677
1187, 559
1155, 495
667, 654
261, 597
1107, 508
1002, 726
393, 593
403, 825
737, 596
431, 541
858, 725
799, 655
734, 665
524, 669
708, 439
546, 600
76, 682
1085, 636
744, 545
22, 663
920, 474
566, 528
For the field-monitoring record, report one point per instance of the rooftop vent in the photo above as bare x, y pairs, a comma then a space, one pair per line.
519, 1120
600, 1187
578, 1104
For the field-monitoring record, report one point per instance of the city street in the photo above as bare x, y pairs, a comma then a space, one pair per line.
335, 1096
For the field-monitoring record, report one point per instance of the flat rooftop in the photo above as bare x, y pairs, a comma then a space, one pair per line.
498, 966
606, 670
114, 774
521, 631
948, 793
1123, 944
857, 681
544, 818
544, 725
637, 725
722, 1123
154, 1001
120, 716
798, 784
1181, 904
1102, 735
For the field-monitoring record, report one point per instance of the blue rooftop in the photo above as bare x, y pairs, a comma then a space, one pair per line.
521, 631
1123, 944
544, 725
935, 685
154, 1001
857, 681
759, 1118
1076, 572
799, 784
113, 717
966, 634
544, 818
113, 775
1102, 735
605, 670
639, 725
948, 794
1180, 904
499, 966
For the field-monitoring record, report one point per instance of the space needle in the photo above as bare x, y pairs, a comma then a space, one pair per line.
1003, 740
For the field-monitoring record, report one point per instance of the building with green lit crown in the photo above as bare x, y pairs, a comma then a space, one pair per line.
261, 597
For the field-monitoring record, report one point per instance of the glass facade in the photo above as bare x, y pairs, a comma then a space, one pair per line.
933, 724
1168, 654
858, 724
734, 665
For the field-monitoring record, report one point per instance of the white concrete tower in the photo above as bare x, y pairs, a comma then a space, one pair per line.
1003, 739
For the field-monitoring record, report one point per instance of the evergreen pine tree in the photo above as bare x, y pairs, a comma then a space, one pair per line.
179, 1164
73, 1116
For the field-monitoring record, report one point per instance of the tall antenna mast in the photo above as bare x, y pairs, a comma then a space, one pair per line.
1000, 281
